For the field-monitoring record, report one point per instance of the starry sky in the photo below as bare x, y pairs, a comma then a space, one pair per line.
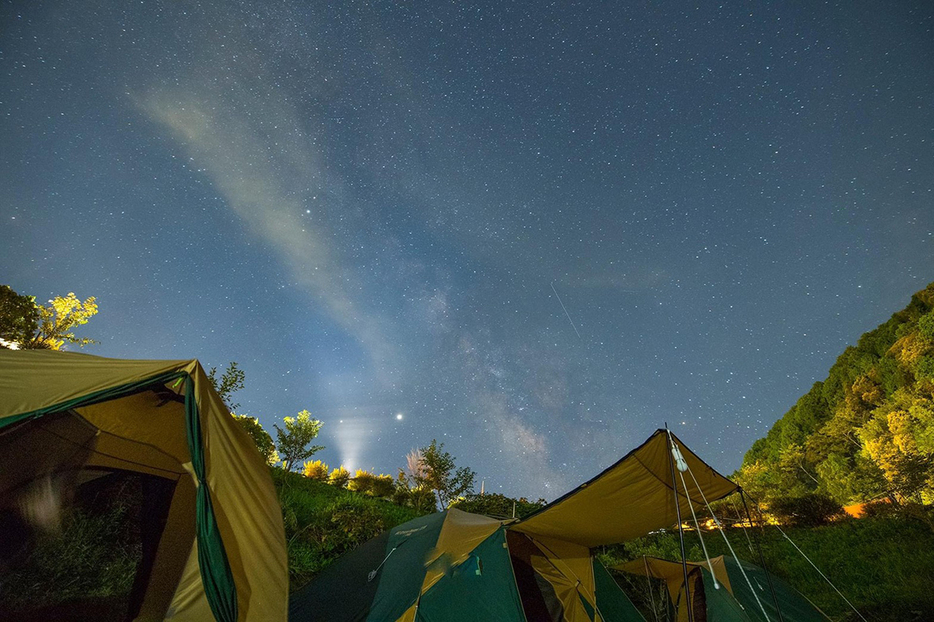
533, 231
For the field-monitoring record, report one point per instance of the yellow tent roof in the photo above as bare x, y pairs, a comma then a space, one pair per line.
140, 416
630, 499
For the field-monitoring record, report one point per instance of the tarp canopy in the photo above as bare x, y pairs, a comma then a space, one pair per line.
734, 600
629, 499
221, 553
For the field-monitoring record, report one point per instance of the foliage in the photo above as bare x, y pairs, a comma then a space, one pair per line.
362, 481
867, 430
58, 320
316, 470
293, 441
810, 510
498, 506
322, 522
231, 381
416, 496
339, 477
439, 473
19, 317
87, 569
372, 484
50, 327
260, 436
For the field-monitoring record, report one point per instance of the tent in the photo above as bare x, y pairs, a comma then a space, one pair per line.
455, 567
215, 545
458, 566
733, 601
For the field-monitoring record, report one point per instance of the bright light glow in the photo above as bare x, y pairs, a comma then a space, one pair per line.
398, 416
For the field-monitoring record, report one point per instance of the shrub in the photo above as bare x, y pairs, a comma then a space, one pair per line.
317, 471
926, 325
362, 482
383, 486
339, 477
810, 510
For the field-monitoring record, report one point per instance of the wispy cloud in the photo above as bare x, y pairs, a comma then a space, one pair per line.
252, 146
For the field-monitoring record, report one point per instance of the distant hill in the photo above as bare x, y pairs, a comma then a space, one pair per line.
866, 431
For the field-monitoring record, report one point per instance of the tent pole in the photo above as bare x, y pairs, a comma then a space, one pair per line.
768, 575
684, 565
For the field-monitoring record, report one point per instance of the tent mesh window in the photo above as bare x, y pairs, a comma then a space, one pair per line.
78, 543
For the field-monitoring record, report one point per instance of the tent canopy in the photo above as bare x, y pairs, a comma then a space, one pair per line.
629, 499
222, 551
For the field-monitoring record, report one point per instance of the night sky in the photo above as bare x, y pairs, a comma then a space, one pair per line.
374, 208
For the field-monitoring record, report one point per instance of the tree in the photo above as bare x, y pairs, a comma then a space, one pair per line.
59, 318
230, 382
31, 326
293, 441
19, 317
442, 476
260, 436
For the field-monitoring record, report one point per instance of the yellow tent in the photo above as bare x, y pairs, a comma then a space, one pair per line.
221, 553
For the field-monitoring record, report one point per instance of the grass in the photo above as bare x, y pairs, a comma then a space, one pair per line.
85, 571
322, 522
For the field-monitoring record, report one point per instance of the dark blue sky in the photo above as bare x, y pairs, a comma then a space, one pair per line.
370, 206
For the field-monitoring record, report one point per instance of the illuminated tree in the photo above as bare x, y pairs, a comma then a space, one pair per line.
59, 318
294, 440
26, 325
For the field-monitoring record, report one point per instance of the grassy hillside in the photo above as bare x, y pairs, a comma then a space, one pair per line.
865, 431
322, 522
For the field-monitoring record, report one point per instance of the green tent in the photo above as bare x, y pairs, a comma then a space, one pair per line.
213, 542
733, 600
456, 566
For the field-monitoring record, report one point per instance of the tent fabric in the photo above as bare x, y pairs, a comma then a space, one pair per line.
794, 606
629, 499
479, 588
222, 552
613, 602
734, 600
459, 567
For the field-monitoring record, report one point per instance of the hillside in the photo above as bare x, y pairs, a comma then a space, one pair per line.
867, 430
322, 522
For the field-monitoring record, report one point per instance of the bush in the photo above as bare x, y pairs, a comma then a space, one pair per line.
926, 326
362, 482
498, 506
810, 510
339, 477
383, 486
317, 471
